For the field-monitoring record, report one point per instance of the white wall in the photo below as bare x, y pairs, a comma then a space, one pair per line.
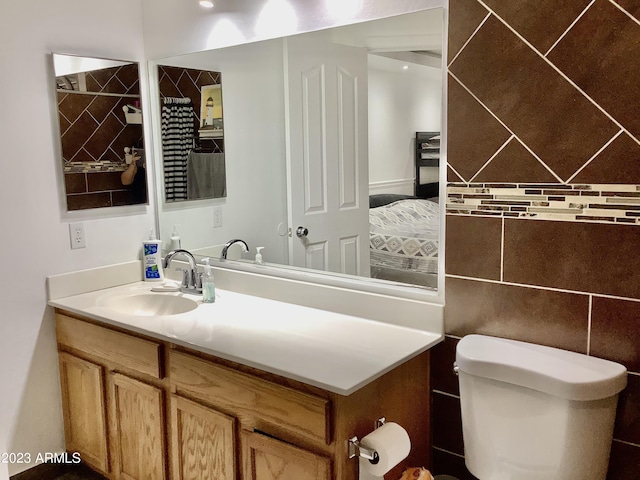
253, 103
173, 27
35, 242
400, 104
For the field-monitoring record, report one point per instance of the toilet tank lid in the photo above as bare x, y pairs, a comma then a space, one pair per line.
565, 374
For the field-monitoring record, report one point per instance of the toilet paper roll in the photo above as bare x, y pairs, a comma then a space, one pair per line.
392, 443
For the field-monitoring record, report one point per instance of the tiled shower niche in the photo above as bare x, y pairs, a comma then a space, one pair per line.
94, 133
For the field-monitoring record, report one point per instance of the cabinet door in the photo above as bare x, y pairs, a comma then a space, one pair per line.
203, 442
136, 413
83, 406
265, 458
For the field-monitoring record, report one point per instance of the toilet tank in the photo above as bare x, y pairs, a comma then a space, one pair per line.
531, 412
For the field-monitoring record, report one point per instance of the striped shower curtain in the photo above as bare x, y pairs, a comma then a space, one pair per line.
177, 140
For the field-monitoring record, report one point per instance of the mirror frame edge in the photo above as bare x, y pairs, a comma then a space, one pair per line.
67, 215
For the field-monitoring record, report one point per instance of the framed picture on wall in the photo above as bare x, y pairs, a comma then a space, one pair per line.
211, 111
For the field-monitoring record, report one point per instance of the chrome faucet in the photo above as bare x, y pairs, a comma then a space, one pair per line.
225, 249
191, 280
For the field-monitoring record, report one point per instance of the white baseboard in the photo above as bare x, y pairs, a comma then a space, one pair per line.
401, 186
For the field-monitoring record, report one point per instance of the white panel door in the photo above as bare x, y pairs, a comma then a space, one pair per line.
327, 159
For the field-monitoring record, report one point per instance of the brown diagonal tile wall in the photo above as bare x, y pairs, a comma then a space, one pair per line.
186, 83
544, 196
94, 133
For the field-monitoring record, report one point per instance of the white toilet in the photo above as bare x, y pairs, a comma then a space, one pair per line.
531, 412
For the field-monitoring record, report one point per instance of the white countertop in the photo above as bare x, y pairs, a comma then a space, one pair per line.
336, 352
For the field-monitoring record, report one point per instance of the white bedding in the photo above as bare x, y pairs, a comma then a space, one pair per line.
404, 235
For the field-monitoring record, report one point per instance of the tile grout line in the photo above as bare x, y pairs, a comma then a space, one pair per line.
615, 4
570, 27
619, 441
495, 154
447, 394
589, 316
502, 252
469, 39
541, 287
558, 71
535, 155
457, 173
448, 451
504, 125
595, 155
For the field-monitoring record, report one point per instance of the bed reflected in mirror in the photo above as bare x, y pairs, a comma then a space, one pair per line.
404, 229
403, 239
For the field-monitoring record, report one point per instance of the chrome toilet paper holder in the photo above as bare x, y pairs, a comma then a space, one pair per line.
356, 449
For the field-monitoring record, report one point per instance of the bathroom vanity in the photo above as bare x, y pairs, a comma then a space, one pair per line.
246, 388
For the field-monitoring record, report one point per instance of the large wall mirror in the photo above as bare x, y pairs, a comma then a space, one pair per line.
101, 135
332, 146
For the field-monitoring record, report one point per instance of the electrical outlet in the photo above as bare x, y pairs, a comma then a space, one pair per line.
76, 234
217, 217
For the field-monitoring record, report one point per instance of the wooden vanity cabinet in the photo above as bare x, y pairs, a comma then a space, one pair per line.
83, 393
113, 399
265, 458
184, 415
136, 410
284, 432
203, 442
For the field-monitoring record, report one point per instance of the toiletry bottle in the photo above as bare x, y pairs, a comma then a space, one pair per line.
175, 239
259, 260
128, 157
151, 260
208, 285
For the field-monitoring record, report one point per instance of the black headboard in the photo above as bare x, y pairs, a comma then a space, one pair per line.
428, 190
381, 199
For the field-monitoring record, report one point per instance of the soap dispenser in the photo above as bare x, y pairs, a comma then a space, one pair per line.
208, 285
175, 239
259, 260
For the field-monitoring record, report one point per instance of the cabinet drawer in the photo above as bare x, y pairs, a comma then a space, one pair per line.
114, 347
257, 403
266, 458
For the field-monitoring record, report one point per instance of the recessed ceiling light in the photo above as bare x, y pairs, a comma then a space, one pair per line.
405, 67
206, 3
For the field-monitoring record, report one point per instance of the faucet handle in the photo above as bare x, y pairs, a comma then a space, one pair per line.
196, 278
186, 277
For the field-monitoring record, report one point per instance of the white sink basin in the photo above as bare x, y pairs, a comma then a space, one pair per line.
149, 304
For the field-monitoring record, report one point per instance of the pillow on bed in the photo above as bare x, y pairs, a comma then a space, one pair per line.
380, 199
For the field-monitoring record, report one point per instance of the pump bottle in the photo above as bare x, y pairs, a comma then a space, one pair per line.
259, 260
208, 285
175, 239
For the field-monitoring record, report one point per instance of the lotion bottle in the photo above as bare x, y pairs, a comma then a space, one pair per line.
259, 260
151, 260
208, 285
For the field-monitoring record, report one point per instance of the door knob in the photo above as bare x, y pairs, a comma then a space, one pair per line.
302, 232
